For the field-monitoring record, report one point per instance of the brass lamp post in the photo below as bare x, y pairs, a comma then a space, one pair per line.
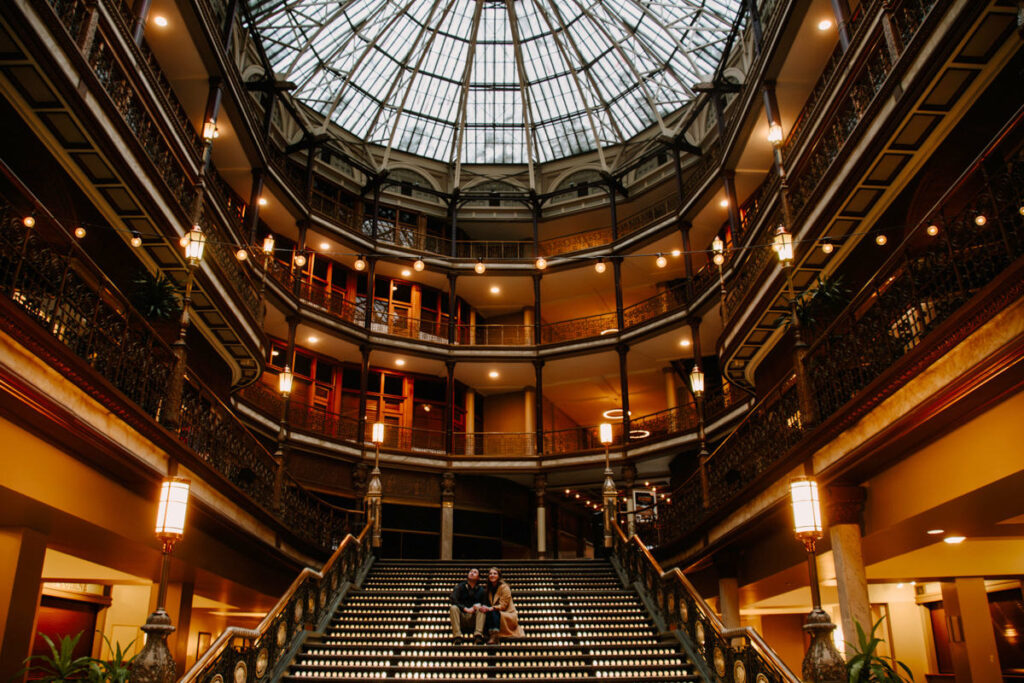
822, 662
718, 257
609, 492
697, 388
284, 385
155, 664
374, 490
194, 242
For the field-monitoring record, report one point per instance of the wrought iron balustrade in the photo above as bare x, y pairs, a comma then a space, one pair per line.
924, 284
727, 655
45, 274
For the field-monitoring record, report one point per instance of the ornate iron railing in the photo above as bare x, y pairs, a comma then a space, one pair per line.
243, 655
728, 655
930, 277
48, 276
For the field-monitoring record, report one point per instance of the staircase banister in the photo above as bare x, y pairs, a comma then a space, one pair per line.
232, 632
748, 633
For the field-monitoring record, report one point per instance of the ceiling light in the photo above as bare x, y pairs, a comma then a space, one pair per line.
360, 263
418, 265
160, 21
881, 240
610, 330
677, 252
635, 434
953, 540
936, 532
399, 362
495, 289
600, 266
262, 201
541, 263
480, 268
312, 339
324, 246
932, 230
684, 342
426, 408
824, 25
493, 374
724, 203
661, 261
406, 272
614, 414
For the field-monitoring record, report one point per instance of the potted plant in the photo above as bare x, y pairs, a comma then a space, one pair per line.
61, 664
867, 667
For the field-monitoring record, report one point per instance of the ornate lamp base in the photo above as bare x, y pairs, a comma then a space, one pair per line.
155, 664
822, 663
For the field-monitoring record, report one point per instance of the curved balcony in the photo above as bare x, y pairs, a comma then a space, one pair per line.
648, 434
643, 318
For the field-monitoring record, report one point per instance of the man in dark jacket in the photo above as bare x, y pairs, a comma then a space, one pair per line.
466, 599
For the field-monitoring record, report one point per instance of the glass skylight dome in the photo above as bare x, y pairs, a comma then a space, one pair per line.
494, 81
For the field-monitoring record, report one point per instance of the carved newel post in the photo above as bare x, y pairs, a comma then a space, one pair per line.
374, 489
447, 514
155, 663
822, 662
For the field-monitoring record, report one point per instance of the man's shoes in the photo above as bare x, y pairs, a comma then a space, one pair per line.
457, 640
478, 639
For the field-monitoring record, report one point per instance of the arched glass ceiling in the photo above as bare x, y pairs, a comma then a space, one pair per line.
494, 81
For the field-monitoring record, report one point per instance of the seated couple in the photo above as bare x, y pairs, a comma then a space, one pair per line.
487, 606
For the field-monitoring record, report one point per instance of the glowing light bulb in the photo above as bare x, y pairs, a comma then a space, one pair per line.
480, 268
160, 21
661, 261
360, 263
980, 220
29, 221
300, 260
600, 266
827, 247
719, 259
241, 254
418, 265
136, 240
79, 232
932, 230
541, 263
262, 201
881, 240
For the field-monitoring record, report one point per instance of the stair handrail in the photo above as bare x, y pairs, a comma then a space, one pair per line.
686, 611
301, 607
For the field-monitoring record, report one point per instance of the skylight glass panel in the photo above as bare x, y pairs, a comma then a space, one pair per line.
455, 80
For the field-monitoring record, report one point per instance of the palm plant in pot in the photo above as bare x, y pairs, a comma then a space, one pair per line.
866, 666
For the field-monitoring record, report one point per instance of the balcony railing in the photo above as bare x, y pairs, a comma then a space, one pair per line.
47, 276
650, 428
855, 104
923, 286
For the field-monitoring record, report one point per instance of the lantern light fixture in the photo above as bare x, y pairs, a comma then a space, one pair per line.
803, 493
210, 132
196, 245
605, 431
783, 244
697, 380
268, 244
284, 381
378, 433
775, 133
172, 510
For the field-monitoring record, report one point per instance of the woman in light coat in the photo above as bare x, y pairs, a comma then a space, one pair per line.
501, 620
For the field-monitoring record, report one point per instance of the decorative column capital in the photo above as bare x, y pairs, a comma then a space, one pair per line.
448, 489
845, 504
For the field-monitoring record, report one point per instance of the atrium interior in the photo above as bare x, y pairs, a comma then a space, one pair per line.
372, 284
